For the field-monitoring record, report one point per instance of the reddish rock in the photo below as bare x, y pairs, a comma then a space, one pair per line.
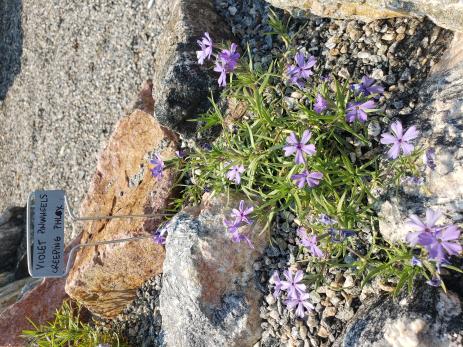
105, 278
39, 305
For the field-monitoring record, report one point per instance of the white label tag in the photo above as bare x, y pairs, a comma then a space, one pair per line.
48, 238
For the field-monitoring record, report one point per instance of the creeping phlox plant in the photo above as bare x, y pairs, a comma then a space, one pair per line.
308, 157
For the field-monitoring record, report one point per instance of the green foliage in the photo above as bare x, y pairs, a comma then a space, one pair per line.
68, 330
352, 162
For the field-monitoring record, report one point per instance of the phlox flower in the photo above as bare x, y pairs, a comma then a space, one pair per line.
292, 284
434, 282
429, 158
326, 220
158, 163
159, 236
293, 145
302, 70
320, 104
415, 262
234, 174
226, 63
367, 86
339, 235
236, 236
206, 48
300, 302
311, 179
310, 242
358, 110
399, 140
440, 242
241, 214
429, 225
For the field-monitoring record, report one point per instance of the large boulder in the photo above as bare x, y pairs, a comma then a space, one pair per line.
209, 295
447, 14
438, 117
427, 318
105, 278
181, 87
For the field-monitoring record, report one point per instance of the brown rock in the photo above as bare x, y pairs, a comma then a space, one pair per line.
105, 278
39, 305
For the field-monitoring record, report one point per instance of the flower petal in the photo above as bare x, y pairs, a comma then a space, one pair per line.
387, 139
410, 134
397, 129
432, 217
306, 136
394, 151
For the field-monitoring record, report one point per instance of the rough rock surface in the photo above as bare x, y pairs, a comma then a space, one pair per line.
105, 278
427, 318
12, 231
447, 14
209, 295
181, 86
438, 117
68, 72
39, 305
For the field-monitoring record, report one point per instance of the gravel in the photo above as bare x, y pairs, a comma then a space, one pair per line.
140, 323
82, 65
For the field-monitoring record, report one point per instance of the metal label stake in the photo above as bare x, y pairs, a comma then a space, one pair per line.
45, 252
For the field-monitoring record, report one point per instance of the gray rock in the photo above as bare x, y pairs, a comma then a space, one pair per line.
181, 86
12, 231
438, 117
209, 295
448, 14
427, 318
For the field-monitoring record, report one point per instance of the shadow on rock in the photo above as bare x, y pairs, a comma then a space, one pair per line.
11, 42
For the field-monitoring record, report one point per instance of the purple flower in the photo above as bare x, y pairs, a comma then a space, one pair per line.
302, 70
441, 241
320, 104
232, 226
427, 226
181, 153
292, 285
299, 302
236, 236
367, 86
415, 262
358, 110
226, 63
324, 219
235, 173
293, 145
429, 158
276, 280
156, 171
206, 48
160, 235
310, 242
229, 57
399, 140
435, 282
312, 179
220, 67
339, 235
241, 213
